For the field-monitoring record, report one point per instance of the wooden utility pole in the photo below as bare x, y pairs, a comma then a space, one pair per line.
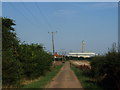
53, 43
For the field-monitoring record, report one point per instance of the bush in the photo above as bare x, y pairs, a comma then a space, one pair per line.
11, 65
97, 67
21, 61
35, 61
106, 69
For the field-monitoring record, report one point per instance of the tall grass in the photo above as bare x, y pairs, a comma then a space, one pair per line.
45, 79
85, 80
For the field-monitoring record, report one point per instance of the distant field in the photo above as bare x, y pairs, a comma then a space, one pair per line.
80, 62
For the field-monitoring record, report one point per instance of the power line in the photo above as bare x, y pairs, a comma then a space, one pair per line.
46, 20
28, 10
32, 15
21, 13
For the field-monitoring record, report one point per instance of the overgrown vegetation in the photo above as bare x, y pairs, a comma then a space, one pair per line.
43, 81
106, 69
104, 72
85, 80
21, 61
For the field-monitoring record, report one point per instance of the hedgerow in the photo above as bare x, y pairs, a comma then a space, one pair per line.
21, 61
106, 69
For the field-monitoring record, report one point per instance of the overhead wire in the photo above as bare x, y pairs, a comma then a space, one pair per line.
28, 10
20, 13
47, 20
32, 15
43, 15
30, 23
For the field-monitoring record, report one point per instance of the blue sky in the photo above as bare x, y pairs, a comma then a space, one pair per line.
94, 22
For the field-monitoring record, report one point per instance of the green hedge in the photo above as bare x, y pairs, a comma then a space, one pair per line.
106, 69
21, 61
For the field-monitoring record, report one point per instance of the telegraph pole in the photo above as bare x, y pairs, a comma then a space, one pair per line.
53, 43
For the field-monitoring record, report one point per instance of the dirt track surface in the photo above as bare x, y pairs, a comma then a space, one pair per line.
65, 79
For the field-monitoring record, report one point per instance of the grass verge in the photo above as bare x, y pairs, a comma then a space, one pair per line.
44, 80
85, 80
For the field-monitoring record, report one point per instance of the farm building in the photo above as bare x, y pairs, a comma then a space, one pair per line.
81, 55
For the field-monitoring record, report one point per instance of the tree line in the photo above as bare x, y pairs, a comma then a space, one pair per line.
20, 60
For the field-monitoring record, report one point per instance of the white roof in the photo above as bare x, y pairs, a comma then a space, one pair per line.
82, 53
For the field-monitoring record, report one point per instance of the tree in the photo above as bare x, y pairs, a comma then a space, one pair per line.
21, 61
10, 63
